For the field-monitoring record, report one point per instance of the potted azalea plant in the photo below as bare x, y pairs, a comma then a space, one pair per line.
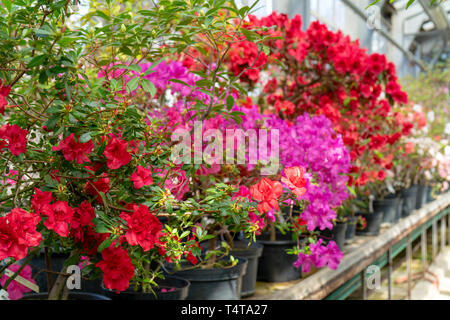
81, 150
200, 191
315, 73
89, 171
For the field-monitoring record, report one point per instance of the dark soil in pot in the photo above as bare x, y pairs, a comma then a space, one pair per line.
215, 284
351, 228
373, 223
409, 200
72, 296
421, 198
170, 288
275, 265
387, 207
252, 254
337, 234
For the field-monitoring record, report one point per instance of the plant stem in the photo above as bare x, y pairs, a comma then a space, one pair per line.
273, 235
48, 266
58, 290
26, 262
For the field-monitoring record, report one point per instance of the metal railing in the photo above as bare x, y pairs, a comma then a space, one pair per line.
379, 251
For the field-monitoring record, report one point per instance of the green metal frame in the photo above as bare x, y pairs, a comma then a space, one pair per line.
354, 283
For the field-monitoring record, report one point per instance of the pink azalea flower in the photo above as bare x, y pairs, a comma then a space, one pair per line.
15, 289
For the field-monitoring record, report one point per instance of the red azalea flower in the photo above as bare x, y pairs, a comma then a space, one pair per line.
59, 216
83, 216
267, 192
191, 258
144, 228
89, 239
381, 175
286, 107
4, 92
102, 185
295, 180
18, 233
248, 103
40, 199
117, 268
16, 136
3, 144
407, 127
141, 177
116, 153
74, 150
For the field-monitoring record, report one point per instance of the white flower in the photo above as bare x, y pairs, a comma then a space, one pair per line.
417, 108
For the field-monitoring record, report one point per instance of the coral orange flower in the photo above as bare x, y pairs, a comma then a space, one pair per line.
295, 180
267, 192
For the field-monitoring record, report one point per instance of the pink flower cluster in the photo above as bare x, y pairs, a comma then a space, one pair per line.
320, 256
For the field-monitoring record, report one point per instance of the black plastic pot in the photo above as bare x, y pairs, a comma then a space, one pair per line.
337, 234
373, 223
251, 253
170, 288
398, 212
429, 192
72, 296
409, 200
275, 265
57, 261
388, 208
351, 228
421, 197
215, 284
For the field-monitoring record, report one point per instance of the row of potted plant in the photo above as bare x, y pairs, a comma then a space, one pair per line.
113, 138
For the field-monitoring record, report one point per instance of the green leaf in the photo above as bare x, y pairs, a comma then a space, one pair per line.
373, 3
148, 86
169, 207
132, 84
105, 244
7, 4
85, 137
410, 2
102, 228
230, 102
38, 60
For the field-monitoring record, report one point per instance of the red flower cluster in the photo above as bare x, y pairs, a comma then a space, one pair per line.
75, 150
320, 71
267, 193
83, 229
18, 233
144, 228
94, 186
116, 153
59, 215
244, 55
117, 268
16, 137
83, 216
4, 92
141, 177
